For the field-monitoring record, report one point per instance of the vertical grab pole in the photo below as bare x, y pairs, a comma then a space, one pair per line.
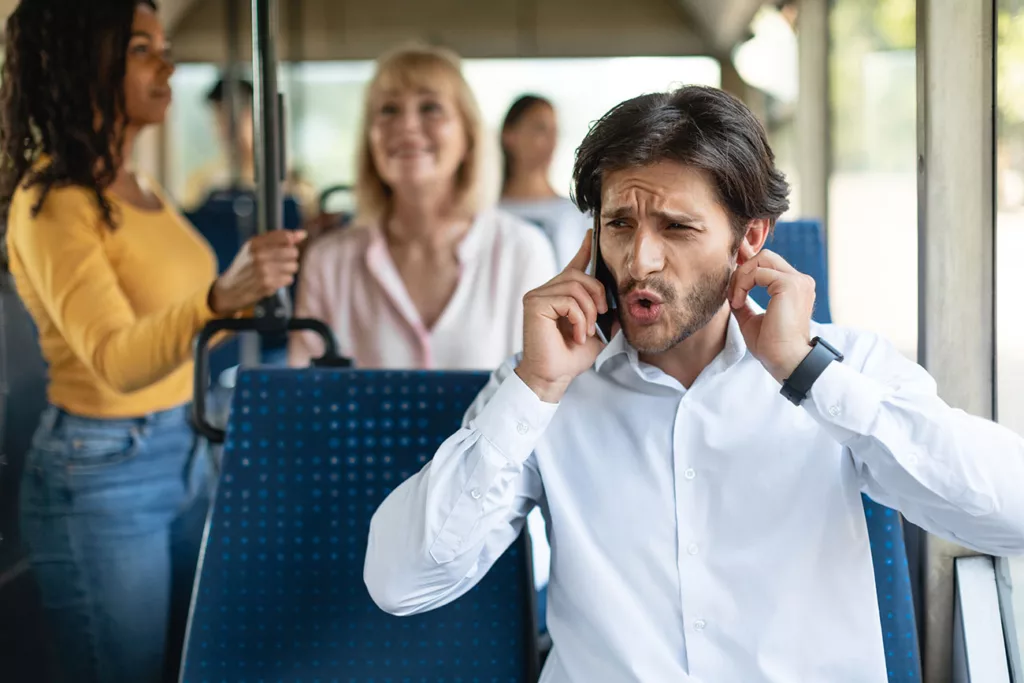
232, 94
267, 120
245, 221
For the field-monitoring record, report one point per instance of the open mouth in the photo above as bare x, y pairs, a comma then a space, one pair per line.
644, 307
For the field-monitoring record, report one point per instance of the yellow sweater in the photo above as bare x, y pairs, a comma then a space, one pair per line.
117, 311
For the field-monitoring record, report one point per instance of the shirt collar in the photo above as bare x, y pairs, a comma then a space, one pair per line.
734, 351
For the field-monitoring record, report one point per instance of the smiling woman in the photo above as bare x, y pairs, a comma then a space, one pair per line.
429, 277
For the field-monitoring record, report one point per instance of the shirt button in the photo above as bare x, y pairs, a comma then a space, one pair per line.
690, 474
834, 411
699, 625
912, 459
475, 493
693, 549
522, 428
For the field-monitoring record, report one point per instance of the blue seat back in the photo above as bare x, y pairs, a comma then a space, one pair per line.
221, 220
24, 398
802, 244
309, 457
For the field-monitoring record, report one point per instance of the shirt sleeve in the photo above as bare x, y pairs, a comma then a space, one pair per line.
440, 531
63, 256
953, 474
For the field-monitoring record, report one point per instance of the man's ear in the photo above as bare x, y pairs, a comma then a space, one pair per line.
753, 240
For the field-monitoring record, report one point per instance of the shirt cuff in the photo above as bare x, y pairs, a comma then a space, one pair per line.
514, 419
845, 402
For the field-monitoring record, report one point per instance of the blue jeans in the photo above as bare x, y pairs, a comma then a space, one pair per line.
112, 515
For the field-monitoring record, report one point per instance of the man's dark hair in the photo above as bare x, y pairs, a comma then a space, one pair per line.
218, 93
701, 127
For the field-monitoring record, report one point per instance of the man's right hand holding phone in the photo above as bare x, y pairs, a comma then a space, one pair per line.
560, 340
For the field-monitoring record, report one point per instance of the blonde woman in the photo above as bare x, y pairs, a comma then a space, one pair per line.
427, 277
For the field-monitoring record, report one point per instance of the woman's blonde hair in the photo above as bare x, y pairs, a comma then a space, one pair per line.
410, 68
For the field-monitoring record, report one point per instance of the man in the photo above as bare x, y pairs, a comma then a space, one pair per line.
217, 175
703, 526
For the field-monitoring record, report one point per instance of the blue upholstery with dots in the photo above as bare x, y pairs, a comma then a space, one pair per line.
309, 456
802, 244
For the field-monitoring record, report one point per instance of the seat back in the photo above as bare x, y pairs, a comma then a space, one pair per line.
309, 457
22, 400
802, 244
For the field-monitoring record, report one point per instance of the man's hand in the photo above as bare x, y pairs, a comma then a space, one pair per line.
559, 328
779, 337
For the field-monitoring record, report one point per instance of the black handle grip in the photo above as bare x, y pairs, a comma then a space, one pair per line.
329, 192
269, 324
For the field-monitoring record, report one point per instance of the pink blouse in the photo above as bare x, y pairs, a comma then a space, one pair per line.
350, 281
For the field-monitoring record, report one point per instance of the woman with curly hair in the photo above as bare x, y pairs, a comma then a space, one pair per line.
116, 488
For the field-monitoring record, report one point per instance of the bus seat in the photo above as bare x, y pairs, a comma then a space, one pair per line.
221, 221
802, 244
23, 646
23, 397
309, 456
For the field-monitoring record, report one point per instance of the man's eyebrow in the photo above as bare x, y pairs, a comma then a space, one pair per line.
621, 212
617, 212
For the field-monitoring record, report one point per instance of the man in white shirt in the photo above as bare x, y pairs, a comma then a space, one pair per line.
700, 474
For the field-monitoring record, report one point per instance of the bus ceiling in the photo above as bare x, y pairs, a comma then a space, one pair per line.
326, 30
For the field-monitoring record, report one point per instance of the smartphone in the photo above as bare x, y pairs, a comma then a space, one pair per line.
600, 271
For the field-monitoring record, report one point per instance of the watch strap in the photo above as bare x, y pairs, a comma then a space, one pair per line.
798, 385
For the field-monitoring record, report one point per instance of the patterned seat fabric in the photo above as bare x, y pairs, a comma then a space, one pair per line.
309, 457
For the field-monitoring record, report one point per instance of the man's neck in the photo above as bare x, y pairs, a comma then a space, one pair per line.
687, 359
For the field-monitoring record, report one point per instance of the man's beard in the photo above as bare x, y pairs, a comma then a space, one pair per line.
700, 305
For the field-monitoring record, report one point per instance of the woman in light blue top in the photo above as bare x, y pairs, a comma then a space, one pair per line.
528, 138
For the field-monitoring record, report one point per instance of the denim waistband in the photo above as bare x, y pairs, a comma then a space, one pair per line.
55, 416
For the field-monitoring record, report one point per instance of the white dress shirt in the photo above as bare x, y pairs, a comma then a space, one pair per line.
714, 534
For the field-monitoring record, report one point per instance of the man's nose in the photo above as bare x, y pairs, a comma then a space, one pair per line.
648, 255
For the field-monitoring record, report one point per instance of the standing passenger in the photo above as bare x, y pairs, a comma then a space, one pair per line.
528, 138
427, 277
116, 486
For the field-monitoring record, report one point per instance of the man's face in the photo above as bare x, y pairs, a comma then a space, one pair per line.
670, 246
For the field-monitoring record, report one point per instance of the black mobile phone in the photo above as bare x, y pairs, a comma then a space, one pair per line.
599, 270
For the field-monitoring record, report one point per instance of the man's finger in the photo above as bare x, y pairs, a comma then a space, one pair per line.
746, 280
567, 307
745, 313
592, 285
582, 258
581, 294
766, 258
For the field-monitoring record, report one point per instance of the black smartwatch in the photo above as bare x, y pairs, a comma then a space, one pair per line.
798, 385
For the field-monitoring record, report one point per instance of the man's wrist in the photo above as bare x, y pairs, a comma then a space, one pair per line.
789, 361
548, 391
